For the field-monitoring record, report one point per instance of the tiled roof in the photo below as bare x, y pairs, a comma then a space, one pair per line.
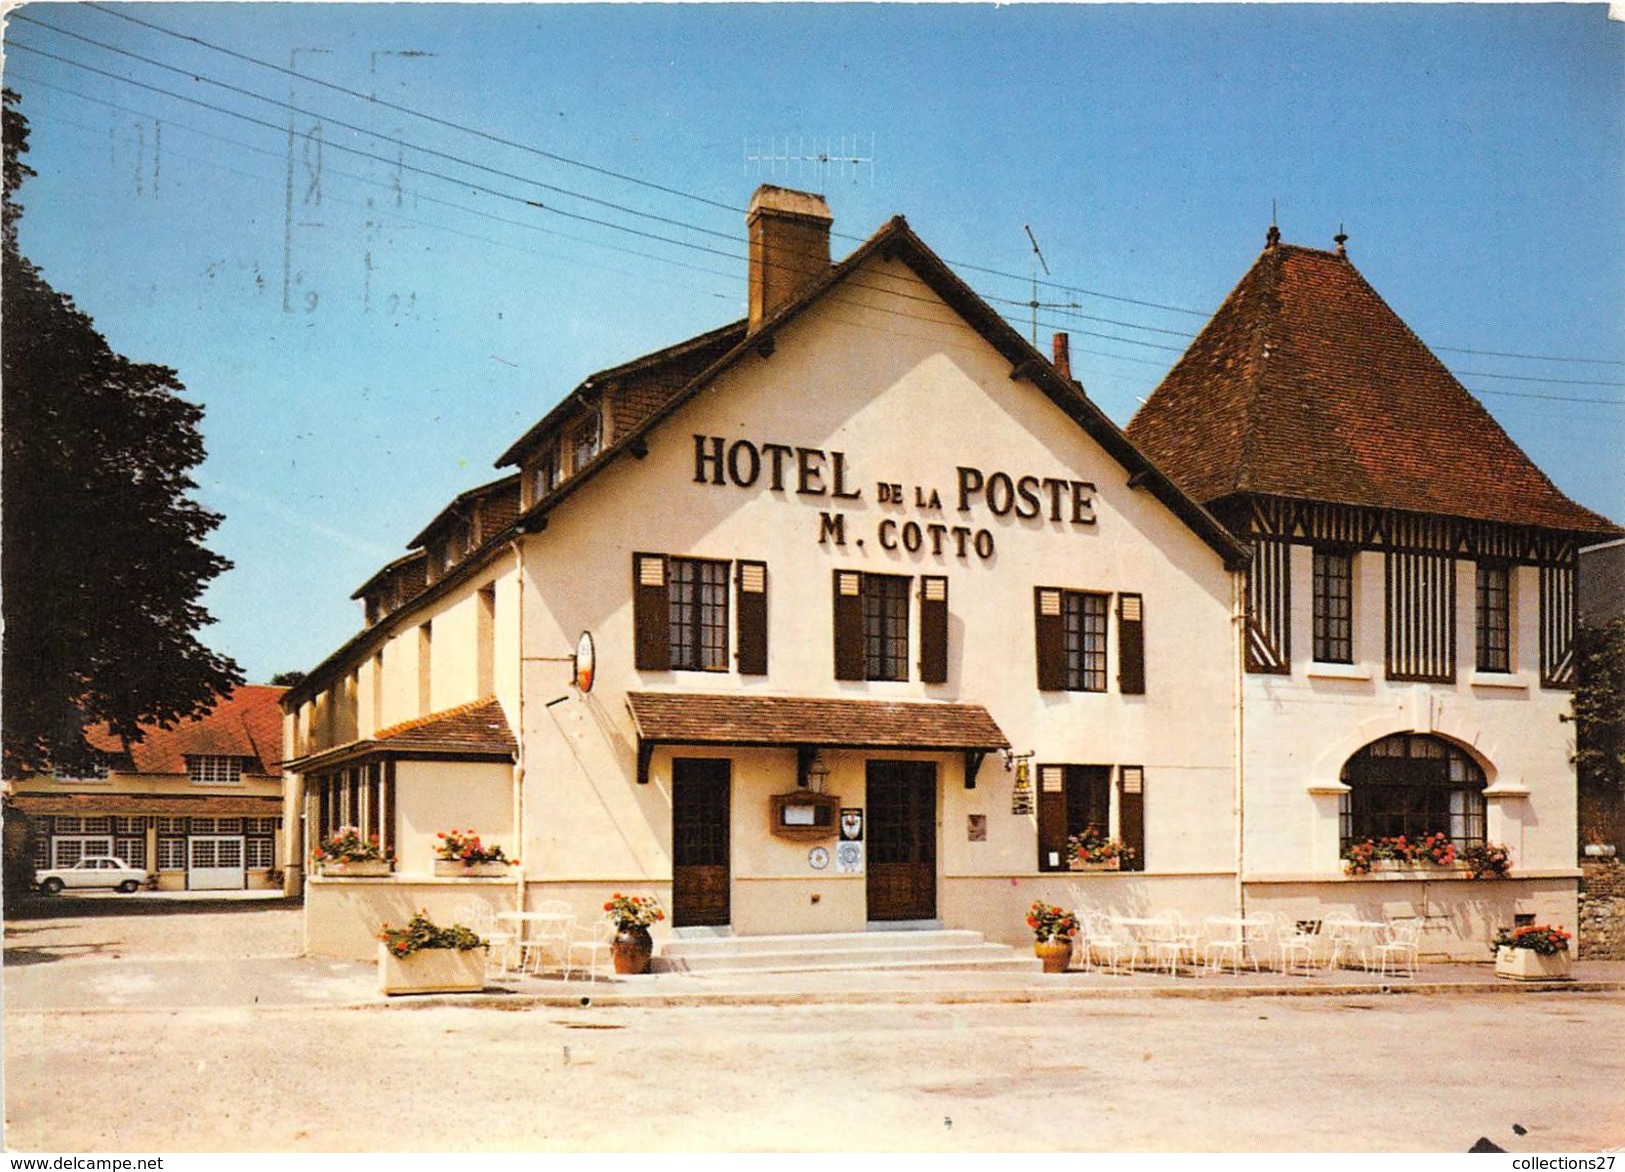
248, 723
152, 805
478, 727
695, 719
1305, 384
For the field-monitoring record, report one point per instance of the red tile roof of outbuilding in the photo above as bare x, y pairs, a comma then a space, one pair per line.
247, 723
1305, 384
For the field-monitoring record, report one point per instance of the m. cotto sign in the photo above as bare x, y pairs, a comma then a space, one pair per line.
816, 472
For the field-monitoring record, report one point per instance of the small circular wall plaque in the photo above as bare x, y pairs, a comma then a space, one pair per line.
818, 858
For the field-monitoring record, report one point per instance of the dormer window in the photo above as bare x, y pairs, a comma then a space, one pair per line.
208, 769
93, 770
586, 440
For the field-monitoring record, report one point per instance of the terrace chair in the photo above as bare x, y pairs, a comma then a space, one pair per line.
1294, 939
504, 944
1109, 943
1396, 952
1224, 940
589, 940
545, 941
1179, 942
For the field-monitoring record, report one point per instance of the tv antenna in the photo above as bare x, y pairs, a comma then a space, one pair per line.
1035, 304
818, 157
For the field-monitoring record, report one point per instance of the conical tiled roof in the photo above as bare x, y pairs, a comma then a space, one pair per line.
1305, 384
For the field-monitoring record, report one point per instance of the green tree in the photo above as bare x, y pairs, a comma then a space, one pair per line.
1599, 717
103, 560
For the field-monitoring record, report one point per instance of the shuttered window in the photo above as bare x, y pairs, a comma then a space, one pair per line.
697, 595
871, 626
1071, 640
651, 609
933, 630
1130, 644
1071, 799
1131, 815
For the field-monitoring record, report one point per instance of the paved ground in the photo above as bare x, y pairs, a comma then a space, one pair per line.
264, 1051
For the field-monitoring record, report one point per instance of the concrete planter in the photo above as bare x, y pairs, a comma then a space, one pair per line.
453, 869
358, 869
1080, 865
431, 970
1525, 964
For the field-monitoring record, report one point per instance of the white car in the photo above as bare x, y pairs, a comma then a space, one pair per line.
94, 871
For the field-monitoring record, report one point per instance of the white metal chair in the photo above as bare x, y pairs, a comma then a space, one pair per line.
1180, 941
1223, 940
503, 950
1107, 942
547, 941
1396, 952
591, 940
1295, 939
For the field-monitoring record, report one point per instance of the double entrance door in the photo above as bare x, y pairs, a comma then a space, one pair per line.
901, 841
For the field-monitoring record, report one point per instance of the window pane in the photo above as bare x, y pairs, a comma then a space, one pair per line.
1494, 618
1333, 607
698, 604
885, 626
1083, 619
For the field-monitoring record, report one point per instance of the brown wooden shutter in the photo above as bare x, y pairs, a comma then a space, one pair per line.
651, 612
1131, 814
1130, 645
1052, 818
750, 585
1051, 639
934, 630
849, 659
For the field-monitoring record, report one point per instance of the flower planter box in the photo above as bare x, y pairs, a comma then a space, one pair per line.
1525, 964
358, 869
452, 869
1080, 865
431, 970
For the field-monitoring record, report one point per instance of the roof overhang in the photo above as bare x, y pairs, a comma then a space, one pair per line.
807, 724
152, 805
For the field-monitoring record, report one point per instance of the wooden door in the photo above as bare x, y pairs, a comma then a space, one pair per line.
699, 842
902, 840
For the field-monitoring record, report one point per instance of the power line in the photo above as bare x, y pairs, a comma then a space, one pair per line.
446, 122
1531, 357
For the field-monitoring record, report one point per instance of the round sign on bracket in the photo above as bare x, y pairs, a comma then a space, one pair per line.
586, 661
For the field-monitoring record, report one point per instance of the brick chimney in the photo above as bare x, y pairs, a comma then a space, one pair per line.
1063, 356
789, 247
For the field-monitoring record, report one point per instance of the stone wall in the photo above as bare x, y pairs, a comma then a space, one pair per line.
1602, 910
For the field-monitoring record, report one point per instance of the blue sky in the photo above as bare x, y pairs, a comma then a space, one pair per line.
368, 328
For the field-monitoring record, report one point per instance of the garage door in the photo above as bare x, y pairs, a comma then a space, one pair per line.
215, 863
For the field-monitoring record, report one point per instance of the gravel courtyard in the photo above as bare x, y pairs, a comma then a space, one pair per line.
1324, 1073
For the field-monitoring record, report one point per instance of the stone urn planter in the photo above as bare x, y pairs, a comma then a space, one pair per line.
431, 970
1056, 953
632, 950
1525, 964
455, 869
356, 868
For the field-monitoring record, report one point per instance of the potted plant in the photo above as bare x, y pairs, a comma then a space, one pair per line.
1488, 860
1534, 952
1093, 851
463, 855
632, 948
424, 957
347, 852
1053, 930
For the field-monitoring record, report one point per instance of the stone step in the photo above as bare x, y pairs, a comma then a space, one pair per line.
937, 950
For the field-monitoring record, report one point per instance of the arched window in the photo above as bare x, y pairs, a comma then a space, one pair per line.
1412, 784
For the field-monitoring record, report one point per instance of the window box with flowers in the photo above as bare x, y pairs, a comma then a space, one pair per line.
1093, 851
1053, 929
463, 856
424, 957
1399, 855
632, 948
347, 853
1534, 952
